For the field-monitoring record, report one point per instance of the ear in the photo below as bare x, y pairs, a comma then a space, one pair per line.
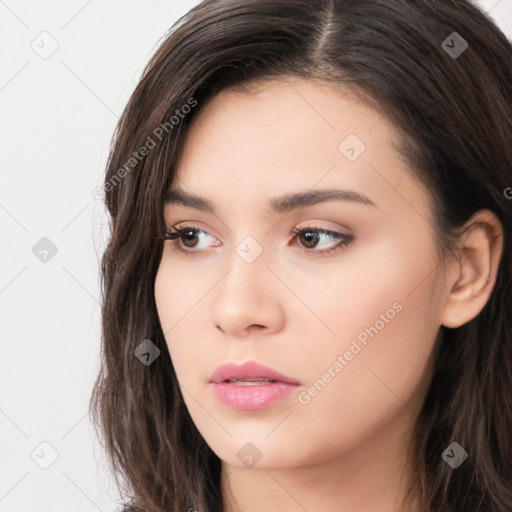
472, 274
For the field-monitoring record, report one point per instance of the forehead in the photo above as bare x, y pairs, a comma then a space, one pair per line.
289, 135
279, 116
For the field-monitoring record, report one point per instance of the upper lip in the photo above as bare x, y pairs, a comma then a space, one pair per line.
248, 370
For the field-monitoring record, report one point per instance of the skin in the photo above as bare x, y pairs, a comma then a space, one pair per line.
297, 311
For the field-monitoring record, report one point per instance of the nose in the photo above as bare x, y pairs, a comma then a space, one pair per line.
246, 301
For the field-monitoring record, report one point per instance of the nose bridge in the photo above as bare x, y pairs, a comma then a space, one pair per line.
248, 263
250, 250
246, 295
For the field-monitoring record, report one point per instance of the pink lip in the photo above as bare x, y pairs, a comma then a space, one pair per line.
250, 397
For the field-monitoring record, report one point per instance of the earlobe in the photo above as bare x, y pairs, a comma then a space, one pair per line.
473, 273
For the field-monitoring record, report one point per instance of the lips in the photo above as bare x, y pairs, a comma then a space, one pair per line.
251, 386
249, 372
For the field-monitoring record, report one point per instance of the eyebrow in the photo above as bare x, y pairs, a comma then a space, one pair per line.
281, 204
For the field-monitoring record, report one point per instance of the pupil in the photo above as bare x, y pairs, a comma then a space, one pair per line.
189, 237
311, 238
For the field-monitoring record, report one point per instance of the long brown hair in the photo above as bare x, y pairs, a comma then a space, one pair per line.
450, 96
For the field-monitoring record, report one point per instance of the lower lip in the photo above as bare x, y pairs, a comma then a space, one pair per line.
254, 397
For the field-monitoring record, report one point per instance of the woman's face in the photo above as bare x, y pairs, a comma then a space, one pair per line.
352, 330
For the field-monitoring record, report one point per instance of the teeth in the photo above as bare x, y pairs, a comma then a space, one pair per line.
250, 382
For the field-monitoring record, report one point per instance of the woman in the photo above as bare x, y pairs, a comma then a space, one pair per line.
307, 286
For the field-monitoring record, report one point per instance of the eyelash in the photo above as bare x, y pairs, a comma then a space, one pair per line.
177, 233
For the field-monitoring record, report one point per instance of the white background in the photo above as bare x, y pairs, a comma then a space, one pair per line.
57, 116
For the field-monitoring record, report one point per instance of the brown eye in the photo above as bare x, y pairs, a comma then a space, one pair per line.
310, 237
185, 236
188, 237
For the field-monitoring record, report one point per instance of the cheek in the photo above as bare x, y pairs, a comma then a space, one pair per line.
345, 296
385, 321
178, 292
171, 297
358, 387
181, 298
